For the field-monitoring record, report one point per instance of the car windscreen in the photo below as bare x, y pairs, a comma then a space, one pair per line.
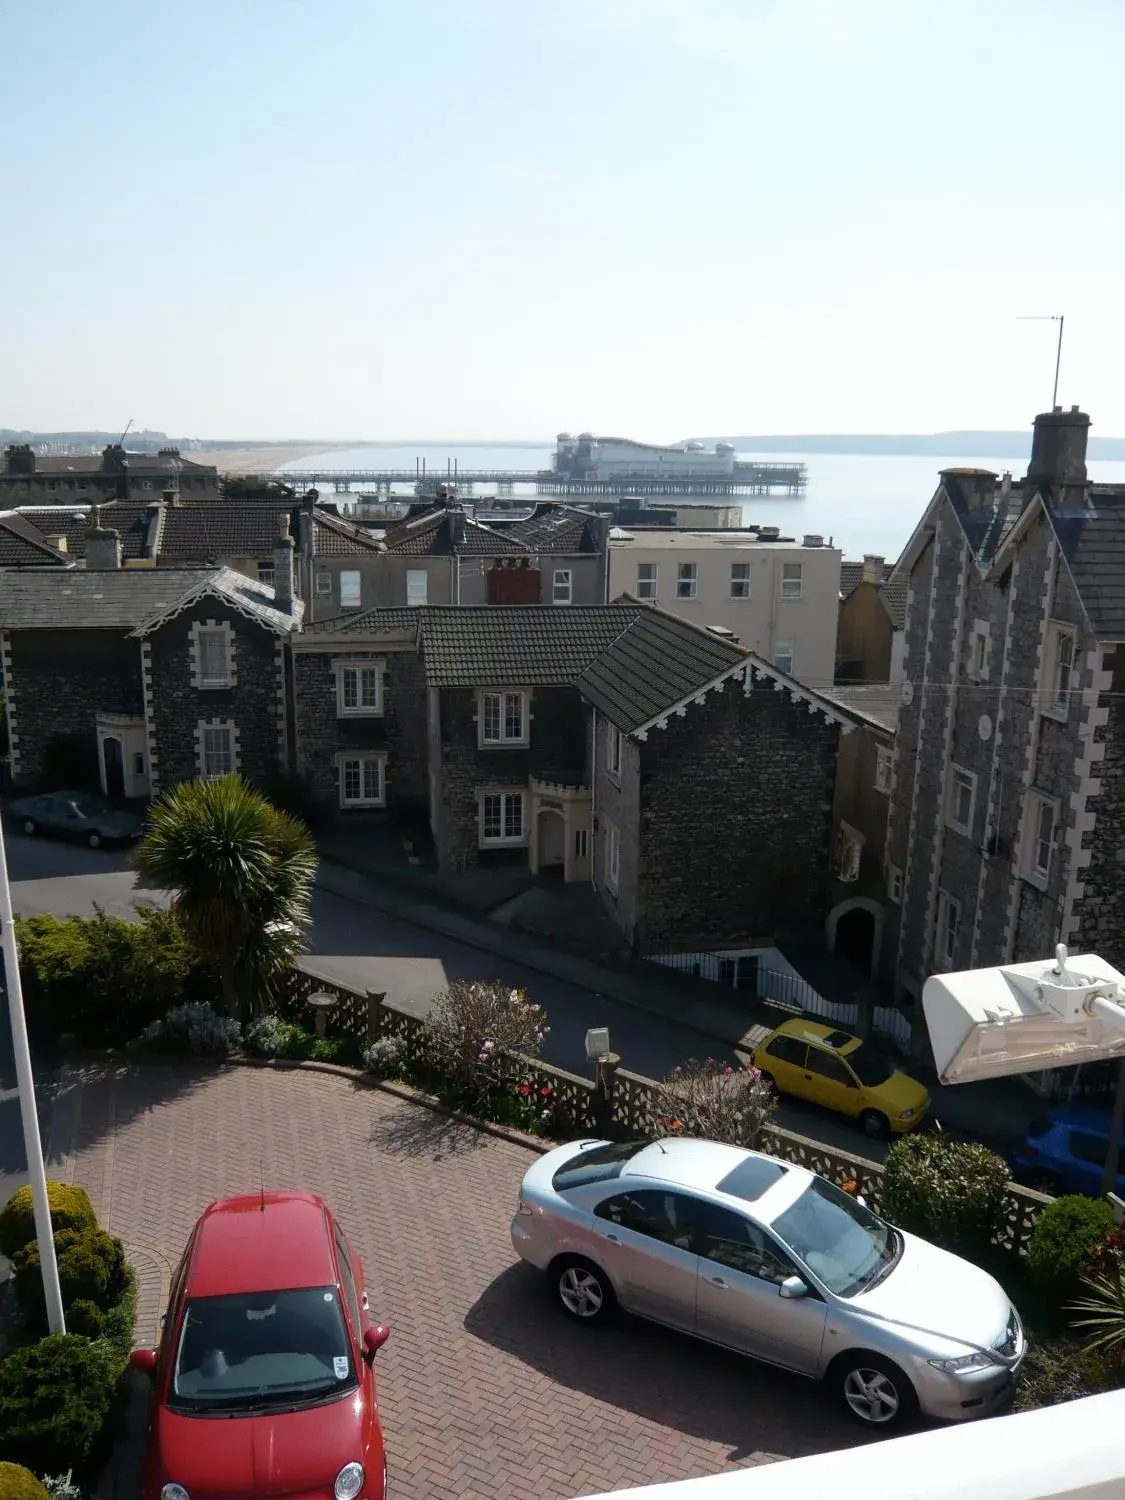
262, 1349
844, 1244
870, 1066
596, 1164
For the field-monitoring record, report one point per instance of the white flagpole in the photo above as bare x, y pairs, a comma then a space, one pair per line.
25, 1083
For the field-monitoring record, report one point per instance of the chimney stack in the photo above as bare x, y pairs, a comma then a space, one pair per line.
283, 573
21, 459
456, 527
103, 546
1058, 447
873, 567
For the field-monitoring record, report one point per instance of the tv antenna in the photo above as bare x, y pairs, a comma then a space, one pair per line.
1058, 318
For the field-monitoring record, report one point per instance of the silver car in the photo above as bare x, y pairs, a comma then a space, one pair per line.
773, 1261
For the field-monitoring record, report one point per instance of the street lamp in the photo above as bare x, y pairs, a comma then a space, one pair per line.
25, 1084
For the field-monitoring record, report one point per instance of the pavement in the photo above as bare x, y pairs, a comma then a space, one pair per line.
485, 1390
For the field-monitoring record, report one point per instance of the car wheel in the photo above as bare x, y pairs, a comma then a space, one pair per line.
874, 1391
30, 827
769, 1079
95, 841
876, 1125
583, 1289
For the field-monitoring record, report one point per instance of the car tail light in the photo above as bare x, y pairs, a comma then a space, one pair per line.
523, 1208
1025, 1149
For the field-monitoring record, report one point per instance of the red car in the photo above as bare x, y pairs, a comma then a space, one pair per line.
263, 1382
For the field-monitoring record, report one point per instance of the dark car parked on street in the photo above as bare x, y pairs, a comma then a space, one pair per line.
75, 815
1065, 1152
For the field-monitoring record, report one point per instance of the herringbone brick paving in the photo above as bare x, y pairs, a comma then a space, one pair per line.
485, 1389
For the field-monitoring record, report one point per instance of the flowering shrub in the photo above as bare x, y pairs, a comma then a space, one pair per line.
195, 1027
385, 1057
716, 1101
474, 1027
270, 1036
61, 1486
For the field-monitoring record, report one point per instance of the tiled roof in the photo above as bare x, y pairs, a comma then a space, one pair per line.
131, 522
553, 529
335, 537
851, 576
658, 661
246, 595
876, 702
430, 534
22, 545
91, 464
391, 621
211, 533
125, 599
517, 645
893, 594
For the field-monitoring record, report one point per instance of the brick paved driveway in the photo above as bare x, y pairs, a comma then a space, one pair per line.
485, 1389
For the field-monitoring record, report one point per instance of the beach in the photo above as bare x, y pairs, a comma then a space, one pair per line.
263, 460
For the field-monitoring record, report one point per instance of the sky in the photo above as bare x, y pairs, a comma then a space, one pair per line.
500, 219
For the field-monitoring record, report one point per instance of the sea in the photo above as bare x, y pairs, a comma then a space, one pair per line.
862, 503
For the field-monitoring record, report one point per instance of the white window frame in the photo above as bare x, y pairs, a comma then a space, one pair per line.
581, 843
849, 853
266, 574
687, 580
364, 760
504, 740
945, 932
322, 587
952, 821
417, 595
894, 884
502, 840
648, 588
884, 769
352, 674
1033, 869
793, 587
212, 629
204, 730
783, 649
614, 749
1059, 683
740, 586
612, 857
349, 573
562, 586
980, 651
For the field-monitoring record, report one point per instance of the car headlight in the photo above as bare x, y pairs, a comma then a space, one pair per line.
349, 1482
174, 1492
907, 1114
965, 1364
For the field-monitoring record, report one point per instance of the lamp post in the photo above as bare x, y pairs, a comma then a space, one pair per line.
25, 1084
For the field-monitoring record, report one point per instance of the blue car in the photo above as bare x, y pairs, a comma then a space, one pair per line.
1065, 1153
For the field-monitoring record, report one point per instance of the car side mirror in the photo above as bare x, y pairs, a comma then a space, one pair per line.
792, 1288
861, 1200
143, 1361
374, 1339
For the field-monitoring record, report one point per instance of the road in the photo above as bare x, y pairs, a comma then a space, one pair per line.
359, 946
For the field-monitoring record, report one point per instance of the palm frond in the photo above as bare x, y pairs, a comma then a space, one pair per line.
1102, 1310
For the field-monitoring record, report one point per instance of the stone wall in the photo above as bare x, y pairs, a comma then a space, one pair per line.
400, 730
57, 683
1101, 910
618, 802
735, 821
252, 704
558, 751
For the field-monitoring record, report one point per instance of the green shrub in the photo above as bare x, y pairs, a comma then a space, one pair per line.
18, 1483
70, 1209
91, 1269
950, 1192
104, 979
85, 1317
1064, 1244
1057, 1371
56, 1396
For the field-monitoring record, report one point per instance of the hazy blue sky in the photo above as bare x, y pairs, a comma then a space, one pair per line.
501, 218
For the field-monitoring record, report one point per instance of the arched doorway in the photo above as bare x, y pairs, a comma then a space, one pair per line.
855, 932
113, 766
552, 839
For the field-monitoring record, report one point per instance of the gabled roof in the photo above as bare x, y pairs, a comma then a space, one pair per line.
23, 545
851, 576
517, 645
431, 533
132, 599
893, 594
553, 528
876, 703
335, 537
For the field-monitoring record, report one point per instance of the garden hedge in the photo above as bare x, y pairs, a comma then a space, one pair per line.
18, 1483
70, 1209
1063, 1245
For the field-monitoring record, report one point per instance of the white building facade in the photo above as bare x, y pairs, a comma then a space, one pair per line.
607, 458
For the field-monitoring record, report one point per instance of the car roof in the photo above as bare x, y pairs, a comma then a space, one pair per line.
1082, 1117
813, 1031
261, 1242
687, 1162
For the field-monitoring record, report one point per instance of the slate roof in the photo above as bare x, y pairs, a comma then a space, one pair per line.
91, 464
22, 545
1093, 543
877, 703
553, 528
429, 534
125, 599
893, 594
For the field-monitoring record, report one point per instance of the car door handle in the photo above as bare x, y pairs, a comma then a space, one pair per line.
613, 1239
717, 1281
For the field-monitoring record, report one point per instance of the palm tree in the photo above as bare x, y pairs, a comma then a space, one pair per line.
241, 876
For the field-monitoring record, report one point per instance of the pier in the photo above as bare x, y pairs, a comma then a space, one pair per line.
746, 479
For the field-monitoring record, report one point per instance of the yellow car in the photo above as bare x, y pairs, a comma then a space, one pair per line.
841, 1071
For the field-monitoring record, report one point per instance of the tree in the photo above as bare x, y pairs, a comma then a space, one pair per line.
241, 875
250, 487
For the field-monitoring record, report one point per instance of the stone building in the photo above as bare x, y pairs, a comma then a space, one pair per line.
27, 478
687, 780
1007, 825
136, 679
